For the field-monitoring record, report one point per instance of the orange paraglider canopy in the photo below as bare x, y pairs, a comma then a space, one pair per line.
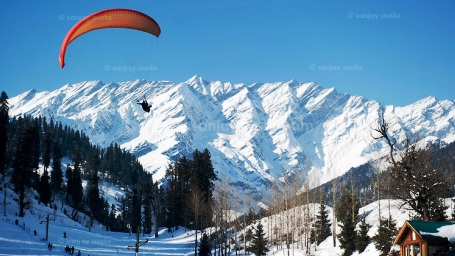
110, 18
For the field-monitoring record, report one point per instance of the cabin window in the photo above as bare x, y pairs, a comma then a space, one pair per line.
414, 250
405, 251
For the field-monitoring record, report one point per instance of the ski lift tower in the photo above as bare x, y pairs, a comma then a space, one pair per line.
138, 242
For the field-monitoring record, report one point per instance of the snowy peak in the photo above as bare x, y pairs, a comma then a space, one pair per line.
199, 84
216, 89
254, 132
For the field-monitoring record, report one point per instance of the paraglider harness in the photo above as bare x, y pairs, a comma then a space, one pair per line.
145, 106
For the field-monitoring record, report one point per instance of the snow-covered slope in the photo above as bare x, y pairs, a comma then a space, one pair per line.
254, 132
20, 238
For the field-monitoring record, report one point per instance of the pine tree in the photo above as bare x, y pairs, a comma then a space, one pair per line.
384, 236
125, 210
57, 173
136, 202
248, 237
47, 143
181, 179
204, 246
147, 202
347, 216
94, 201
203, 176
322, 224
113, 222
78, 191
362, 236
173, 199
69, 184
259, 244
159, 207
182, 188
36, 150
45, 192
24, 163
208, 175
106, 211
4, 120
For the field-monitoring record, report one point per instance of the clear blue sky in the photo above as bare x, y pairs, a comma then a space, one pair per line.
396, 52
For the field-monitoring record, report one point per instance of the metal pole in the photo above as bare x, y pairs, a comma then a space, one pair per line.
4, 201
138, 232
47, 226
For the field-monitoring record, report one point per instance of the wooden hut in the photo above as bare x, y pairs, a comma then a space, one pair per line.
419, 238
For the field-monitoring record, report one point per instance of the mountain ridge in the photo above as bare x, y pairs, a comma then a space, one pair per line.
255, 132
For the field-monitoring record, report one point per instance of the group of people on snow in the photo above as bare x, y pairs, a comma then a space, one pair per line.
70, 250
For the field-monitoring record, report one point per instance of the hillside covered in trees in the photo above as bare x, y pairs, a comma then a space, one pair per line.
32, 157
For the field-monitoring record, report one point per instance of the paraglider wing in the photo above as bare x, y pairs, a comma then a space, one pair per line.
110, 18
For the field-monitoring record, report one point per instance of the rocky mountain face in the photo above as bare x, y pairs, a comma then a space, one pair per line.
255, 132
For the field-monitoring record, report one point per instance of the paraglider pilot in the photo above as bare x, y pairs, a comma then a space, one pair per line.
145, 106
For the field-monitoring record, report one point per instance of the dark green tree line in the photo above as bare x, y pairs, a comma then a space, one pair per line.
4, 120
24, 164
184, 180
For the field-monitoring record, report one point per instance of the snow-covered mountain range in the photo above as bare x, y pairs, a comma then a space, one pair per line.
254, 132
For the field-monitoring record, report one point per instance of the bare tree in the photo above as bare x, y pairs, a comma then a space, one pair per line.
382, 133
377, 185
273, 206
418, 176
246, 203
286, 207
224, 205
296, 202
195, 204
307, 216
